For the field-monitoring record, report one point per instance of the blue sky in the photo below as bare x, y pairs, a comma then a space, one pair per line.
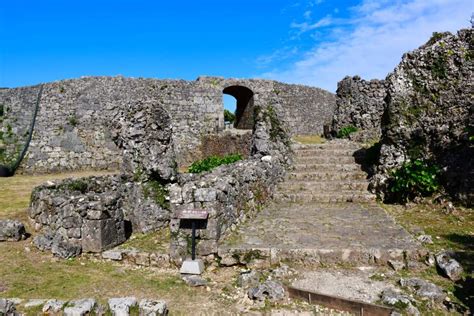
314, 42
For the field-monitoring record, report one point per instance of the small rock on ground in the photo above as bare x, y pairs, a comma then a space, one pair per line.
80, 307
272, 290
400, 301
194, 280
424, 289
34, 303
152, 308
7, 307
121, 306
450, 267
53, 306
249, 278
12, 230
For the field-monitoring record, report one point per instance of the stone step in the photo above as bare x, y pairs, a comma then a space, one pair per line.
316, 187
327, 167
327, 145
315, 257
334, 197
326, 152
325, 160
324, 176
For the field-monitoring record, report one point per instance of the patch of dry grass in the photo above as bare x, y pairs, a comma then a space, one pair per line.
309, 139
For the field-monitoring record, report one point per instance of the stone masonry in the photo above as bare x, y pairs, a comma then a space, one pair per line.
73, 128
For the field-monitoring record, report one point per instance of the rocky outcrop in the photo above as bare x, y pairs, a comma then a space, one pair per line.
424, 110
361, 104
430, 112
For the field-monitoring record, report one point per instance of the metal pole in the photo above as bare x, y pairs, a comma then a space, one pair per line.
193, 248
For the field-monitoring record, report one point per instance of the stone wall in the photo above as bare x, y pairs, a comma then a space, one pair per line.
93, 214
360, 103
231, 193
422, 110
73, 129
430, 113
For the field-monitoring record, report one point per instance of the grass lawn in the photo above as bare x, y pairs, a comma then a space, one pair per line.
26, 272
309, 139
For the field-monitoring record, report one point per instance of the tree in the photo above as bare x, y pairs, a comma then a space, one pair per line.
229, 116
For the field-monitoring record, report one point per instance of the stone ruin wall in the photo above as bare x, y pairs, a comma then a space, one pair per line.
422, 110
360, 103
73, 129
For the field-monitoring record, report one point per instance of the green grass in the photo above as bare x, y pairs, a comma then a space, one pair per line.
150, 242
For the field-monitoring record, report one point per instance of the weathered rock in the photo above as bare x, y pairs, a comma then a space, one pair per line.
43, 242
424, 289
399, 301
121, 306
80, 307
34, 303
152, 308
450, 267
248, 279
12, 230
194, 280
271, 290
396, 265
63, 248
115, 255
360, 103
426, 239
53, 306
7, 307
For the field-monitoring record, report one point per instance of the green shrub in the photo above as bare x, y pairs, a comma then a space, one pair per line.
229, 116
157, 191
415, 178
72, 120
77, 185
213, 162
345, 131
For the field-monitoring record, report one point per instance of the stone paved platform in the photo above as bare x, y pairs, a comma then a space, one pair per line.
322, 233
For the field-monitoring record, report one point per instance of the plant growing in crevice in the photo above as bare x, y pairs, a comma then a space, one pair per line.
157, 191
72, 120
277, 131
212, 162
345, 131
77, 185
413, 179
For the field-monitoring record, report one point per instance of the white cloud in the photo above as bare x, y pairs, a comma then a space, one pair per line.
305, 26
372, 42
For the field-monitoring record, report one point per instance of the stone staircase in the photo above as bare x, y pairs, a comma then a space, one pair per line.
322, 213
326, 173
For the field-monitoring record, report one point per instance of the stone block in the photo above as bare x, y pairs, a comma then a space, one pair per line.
99, 235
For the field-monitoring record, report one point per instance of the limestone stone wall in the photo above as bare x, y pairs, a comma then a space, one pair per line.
430, 113
360, 103
74, 127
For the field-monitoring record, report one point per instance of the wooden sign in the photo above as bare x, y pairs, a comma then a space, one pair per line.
193, 214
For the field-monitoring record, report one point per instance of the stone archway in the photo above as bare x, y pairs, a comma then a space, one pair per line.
244, 113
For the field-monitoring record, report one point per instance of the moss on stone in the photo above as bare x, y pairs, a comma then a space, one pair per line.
157, 191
